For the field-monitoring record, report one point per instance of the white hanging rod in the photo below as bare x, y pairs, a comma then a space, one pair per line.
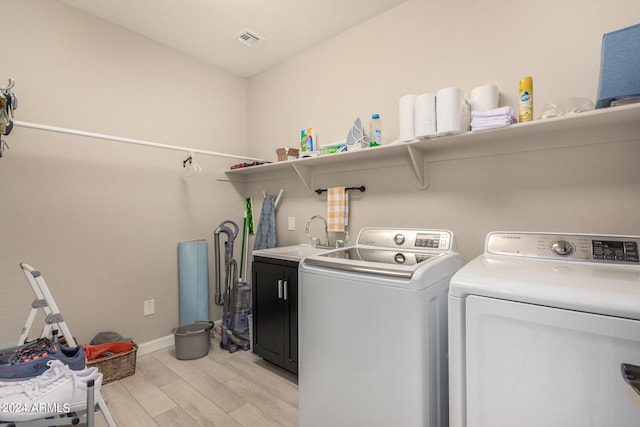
129, 140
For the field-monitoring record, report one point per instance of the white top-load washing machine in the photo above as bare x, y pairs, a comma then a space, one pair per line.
544, 330
373, 331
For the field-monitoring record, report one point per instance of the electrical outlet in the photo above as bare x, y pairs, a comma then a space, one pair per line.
292, 223
149, 307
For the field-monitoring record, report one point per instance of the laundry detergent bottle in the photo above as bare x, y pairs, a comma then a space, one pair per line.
526, 99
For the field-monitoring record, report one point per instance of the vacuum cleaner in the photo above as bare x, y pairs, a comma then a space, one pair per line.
236, 298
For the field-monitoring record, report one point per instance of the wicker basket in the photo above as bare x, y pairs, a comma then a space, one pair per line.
116, 366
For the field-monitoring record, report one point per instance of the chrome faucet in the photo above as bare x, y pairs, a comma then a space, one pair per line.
326, 229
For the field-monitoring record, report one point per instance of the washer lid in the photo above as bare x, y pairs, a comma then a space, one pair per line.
373, 261
394, 252
381, 256
606, 289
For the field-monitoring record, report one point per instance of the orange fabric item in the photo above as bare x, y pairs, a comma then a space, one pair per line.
106, 349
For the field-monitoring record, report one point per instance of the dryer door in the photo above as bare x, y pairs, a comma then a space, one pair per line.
530, 365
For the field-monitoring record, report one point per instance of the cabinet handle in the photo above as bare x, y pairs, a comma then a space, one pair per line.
286, 290
279, 289
631, 375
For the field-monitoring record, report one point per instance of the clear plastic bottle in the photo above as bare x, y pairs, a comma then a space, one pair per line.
375, 131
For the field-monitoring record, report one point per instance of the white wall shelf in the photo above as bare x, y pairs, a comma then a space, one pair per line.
593, 127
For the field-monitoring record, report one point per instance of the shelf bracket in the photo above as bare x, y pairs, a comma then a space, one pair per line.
305, 175
420, 167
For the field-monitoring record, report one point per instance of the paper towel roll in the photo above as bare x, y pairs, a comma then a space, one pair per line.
452, 111
484, 98
406, 108
425, 115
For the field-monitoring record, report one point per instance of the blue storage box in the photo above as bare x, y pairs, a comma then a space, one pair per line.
620, 65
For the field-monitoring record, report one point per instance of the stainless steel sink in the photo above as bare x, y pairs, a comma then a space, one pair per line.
291, 253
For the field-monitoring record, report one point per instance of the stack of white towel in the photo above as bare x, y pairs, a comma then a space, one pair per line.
496, 118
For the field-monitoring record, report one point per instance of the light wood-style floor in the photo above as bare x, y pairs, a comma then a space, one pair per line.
220, 389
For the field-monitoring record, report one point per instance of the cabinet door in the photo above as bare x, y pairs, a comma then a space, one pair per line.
291, 320
268, 313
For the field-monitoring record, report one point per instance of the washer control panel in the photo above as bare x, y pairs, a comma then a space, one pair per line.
573, 247
407, 238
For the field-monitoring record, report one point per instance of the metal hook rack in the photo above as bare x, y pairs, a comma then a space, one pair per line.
8, 87
8, 103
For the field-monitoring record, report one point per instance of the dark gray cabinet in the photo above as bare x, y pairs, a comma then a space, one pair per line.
275, 311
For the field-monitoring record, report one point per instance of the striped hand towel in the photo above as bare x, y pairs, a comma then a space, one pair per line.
337, 209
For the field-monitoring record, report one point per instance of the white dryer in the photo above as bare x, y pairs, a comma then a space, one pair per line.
373, 331
544, 330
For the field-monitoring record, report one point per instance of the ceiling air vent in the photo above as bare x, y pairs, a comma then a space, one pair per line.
249, 37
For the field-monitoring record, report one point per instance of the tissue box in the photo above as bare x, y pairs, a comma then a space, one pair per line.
286, 153
620, 65
333, 148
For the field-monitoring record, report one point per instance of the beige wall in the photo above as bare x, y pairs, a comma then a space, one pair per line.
102, 219
425, 45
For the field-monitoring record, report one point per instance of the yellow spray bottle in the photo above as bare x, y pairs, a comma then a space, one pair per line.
526, 99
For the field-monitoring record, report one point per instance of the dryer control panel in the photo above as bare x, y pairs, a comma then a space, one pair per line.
571, 247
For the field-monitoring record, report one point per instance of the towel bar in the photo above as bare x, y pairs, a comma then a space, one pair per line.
362, 188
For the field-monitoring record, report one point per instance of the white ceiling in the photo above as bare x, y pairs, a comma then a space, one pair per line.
207, 29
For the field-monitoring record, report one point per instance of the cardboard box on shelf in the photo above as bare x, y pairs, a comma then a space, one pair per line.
286, 153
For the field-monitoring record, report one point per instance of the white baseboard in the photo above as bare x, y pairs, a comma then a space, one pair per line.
160, 343
155, 345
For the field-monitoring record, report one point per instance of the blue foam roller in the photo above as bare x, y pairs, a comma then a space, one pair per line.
193, 269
